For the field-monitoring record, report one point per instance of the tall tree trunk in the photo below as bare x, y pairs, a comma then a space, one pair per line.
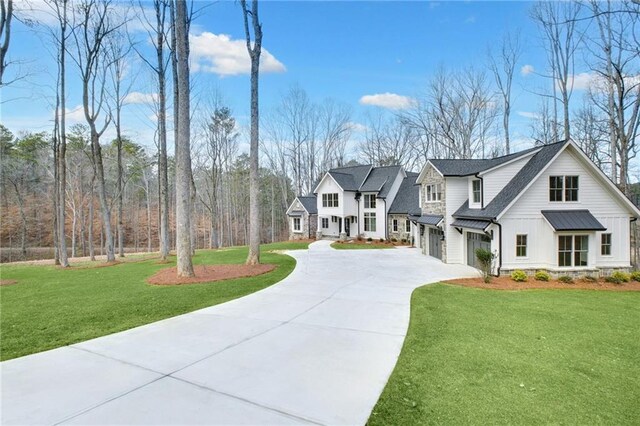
102, 196
62, 147
120, 184
163, 179
253, 257
183, 149
92, 253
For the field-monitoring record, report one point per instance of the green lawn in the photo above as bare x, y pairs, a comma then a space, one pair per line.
475, 356
359, 246
51, 307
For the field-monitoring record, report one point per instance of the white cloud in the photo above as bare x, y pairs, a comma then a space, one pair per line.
220, 54
357, 127
582, 81
388, 100
75, 115
140, 98
527, 69
528, 114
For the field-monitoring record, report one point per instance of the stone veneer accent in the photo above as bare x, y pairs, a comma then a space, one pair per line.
575, 273
432, 177
402, 233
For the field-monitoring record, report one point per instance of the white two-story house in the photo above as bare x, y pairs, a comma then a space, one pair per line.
353, 201
547, 208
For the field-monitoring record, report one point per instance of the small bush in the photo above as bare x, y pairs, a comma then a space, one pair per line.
618, 277
359, 238
369, 239
519, 276
394, 240
590, 279
565, 279
485, 258
403, 241
635, 275
382, 240
542, 276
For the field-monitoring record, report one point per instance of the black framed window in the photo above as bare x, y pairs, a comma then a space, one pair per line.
369, 222
573, 250
325, 223
476, 189
296, 223
369, 201
555, 188
581, 250
521, 245
394, 225
407, 225
571, 188
605, 244
565, 248
330, 200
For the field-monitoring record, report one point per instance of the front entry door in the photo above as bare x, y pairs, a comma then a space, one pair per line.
435, 242
347, 223
476, 241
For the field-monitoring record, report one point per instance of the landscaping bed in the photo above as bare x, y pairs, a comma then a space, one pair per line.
209, 273
507, 283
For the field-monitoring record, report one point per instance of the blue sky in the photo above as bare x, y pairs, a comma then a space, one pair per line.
338, 50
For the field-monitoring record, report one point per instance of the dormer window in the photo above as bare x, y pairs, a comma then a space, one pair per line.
476, 191
369, 201
563, 188
434, 193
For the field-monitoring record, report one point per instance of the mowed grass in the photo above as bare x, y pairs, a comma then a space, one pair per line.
359, 246
475, 356
51, 307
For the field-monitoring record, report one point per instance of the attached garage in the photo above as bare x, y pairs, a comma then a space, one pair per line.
435, 242
476, 241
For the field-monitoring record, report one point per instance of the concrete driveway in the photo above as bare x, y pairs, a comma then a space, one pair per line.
316, 348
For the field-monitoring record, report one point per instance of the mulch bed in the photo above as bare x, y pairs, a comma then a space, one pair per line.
506, 283
209, 273
8, 282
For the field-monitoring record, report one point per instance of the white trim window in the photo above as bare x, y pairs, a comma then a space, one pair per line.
369, 201
394, 225
369, 222
330, 200
563, 188
573, 250
605, 244
325, 222
297, 227
521, 245
434, 193
476, 191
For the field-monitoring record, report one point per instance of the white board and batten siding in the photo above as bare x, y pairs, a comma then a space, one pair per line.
457, 194
524, 217
495, 180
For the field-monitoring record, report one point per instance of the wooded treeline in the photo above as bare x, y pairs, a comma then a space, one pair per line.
105, 196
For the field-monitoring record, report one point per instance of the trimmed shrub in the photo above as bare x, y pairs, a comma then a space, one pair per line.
485, 258
382, 240
542, 276
403, 241
519, 276
635, 275
369, 239
590, 278
565, 279
618, 277
394, 240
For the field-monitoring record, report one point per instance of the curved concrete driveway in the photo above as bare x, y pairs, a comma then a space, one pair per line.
317, 347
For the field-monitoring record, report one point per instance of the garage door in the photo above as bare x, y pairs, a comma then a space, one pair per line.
476, 241
435, 242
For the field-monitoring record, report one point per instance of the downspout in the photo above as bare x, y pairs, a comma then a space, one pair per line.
499, 245
633, 219
357, 197
386, 225
477, 175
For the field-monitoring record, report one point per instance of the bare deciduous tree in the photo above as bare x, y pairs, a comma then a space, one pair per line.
502, 65
6, 15
183, 144
254, 192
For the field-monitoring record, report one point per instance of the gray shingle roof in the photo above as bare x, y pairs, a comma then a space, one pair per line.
350, 178
380, 180
515, 186
573, 220
407, 198
427, 219
471, 224
453, 167
309, 202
